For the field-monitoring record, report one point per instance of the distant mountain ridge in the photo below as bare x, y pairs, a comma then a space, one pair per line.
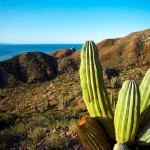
129, 51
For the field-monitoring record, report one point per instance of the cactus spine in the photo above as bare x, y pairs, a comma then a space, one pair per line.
92, 136
127, 112
145, 98
94, 92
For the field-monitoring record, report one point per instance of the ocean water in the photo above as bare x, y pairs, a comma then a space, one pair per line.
9, 50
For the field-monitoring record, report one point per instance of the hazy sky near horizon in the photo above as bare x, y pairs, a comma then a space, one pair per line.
70, 21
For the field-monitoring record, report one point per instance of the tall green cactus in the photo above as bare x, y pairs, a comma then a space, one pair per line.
94, 92
92, 135
127, 112
145, 98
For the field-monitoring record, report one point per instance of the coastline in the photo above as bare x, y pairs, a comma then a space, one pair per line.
7, 51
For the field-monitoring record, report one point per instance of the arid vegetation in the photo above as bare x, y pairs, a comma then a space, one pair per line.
39, 112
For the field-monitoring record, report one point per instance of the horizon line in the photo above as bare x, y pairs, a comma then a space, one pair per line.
35, 43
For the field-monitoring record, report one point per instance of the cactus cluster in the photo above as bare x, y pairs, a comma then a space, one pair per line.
132, 110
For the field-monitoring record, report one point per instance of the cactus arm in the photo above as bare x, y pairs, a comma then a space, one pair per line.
127, 112
145, 98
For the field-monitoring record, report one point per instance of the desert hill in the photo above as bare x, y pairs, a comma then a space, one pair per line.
38, 112
55, 76
33, 67
62, 53
131, 50
126, 52
66, 60
28, 67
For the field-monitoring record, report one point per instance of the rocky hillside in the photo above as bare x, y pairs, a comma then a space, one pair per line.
131, 50
127, 52
42, 114
66, 60
28, 67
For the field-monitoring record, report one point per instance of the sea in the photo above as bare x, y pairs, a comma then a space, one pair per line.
9, 50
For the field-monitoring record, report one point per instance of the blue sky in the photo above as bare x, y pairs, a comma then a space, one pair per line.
70, 21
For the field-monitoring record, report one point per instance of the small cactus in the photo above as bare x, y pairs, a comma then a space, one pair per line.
127, 112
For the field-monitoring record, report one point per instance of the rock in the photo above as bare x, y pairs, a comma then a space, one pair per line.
69, 133
54, 130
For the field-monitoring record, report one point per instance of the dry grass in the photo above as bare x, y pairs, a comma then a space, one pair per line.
37, 110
